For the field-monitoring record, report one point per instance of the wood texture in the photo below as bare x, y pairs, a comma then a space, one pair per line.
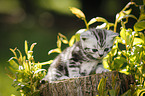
86, 85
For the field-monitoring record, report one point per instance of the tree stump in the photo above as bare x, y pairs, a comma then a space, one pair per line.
86, 85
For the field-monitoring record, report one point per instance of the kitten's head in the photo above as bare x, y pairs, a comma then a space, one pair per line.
96, 43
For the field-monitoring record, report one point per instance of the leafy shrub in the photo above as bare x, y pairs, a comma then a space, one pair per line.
130, 59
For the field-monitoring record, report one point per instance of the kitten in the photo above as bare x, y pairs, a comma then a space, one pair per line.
84, 57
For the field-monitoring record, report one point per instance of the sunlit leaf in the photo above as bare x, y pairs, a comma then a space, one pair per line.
58, 42
72, 40
63, 38
13, 63
32, 46
20, 60
93, 20
126, 16
57, 50
78, 33
140, 92
26, 47
39, 70
110, 25
13, 50
26, 65
77, 12
103, 26
128, 5
137, 41
127, 11
100, 19
45, 63
142, 13
139, 26
29, 54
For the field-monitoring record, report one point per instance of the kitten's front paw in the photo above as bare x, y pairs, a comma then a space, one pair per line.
100, 70
63, 77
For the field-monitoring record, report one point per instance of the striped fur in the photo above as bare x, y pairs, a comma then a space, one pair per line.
84, 57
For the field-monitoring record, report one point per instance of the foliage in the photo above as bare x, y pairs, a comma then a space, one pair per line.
127, 54
25, 72
131, 58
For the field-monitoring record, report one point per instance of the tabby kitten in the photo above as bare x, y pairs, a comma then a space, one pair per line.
84, 57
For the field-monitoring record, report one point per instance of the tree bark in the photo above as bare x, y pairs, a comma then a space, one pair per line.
86, 85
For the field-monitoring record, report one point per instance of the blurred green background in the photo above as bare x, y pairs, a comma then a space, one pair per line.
40, 21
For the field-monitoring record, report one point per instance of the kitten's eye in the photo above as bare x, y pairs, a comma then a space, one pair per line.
106, 49
94, 50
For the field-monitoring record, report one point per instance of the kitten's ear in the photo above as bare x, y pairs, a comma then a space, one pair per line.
112, 34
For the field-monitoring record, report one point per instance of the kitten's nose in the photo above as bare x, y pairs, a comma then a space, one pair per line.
100, 55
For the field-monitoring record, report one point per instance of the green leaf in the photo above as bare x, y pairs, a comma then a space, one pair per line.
97, 19
78, 12
13, 63
140, 92
126, 16
44, 63
103, 26
13, 50
58, 42
137, 41
32, 46
122, 33
72, 40
29, 54
57, 50
78, 33
26, 47
39, 70
20, 60
139, 26
63, 38
93, 20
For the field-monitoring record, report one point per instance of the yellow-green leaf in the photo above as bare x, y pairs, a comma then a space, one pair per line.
93, 20
103, 26
141, 92
77, 12
13, 50
126, 16
137, 41
122, 33
13, 63
26, 47
29, 54
44, 63
58, 42
32, 46
139, 26
63, 38
78, 33
72, 40
97, 19
57, 50
20, 60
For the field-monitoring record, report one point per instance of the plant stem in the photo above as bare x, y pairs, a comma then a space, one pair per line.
115, 26
86, 23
